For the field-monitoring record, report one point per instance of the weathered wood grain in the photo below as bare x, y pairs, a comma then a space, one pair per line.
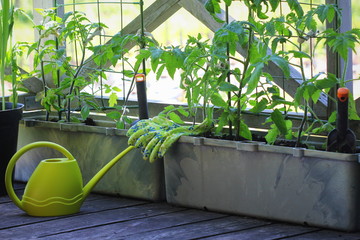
15, 217
201, 229
326, 235
109, 217
84, 220
139, 228
273, 231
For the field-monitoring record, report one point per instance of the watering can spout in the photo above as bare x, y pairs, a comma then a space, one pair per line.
91, 184
55, 187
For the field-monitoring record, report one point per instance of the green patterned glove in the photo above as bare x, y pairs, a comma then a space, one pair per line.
155, 136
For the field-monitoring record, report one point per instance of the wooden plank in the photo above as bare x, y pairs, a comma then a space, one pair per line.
15, 217
273, 231
201, 229
102, 218
135, 229
84, 220
19, 189
327, 235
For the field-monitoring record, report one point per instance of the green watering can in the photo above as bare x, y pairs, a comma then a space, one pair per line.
55, 188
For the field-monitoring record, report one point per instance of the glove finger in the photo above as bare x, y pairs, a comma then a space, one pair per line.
155, 152
144, 139
134, 137
169, 141
150, 146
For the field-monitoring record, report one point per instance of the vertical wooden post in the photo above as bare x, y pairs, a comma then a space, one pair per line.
335, 64
345, 6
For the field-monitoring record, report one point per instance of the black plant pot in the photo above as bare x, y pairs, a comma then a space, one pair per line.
9, 129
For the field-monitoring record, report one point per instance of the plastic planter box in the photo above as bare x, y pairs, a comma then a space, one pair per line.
281, 183
93, 147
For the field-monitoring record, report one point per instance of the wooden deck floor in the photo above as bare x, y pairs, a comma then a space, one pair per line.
109, 217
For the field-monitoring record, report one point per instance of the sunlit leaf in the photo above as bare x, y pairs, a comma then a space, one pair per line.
175, 118
218, 101
244, 131
279, 121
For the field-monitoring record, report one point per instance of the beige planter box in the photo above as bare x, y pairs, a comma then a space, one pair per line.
93, 147
294, 185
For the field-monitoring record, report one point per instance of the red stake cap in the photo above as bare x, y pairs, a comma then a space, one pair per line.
140, 77
343, 94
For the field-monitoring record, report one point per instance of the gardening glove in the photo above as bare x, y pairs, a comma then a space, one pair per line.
155, 136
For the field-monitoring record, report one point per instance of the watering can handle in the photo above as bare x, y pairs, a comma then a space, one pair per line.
15, 158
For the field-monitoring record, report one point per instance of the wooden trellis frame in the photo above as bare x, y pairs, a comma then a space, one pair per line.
161, 10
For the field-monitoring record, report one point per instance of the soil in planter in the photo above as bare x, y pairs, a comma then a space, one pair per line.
87, 121
280, 142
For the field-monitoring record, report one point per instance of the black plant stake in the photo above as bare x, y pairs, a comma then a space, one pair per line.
342, 139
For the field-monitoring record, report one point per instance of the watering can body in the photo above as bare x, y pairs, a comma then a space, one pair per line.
56, 186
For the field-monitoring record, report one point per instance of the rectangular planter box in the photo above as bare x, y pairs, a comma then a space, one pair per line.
281, 183
93, 147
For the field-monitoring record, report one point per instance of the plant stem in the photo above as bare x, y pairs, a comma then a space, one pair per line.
303, 121
302, 124
73, 82
5, 32
238, 101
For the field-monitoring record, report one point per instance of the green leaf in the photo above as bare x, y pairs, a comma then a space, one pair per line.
183, 112
326, 12
143, 55
228, 2
260, 13
272, 134
342, 42
244, 131
300, 54
278, 118
254, 77
218, 101
329, 82
352, 109
332, 117
260, 106
173, 59
274, 4
160, 71
316, 95
227, 87
295, 5
116, 89
74, 119
281, 63
120, 125
113, 99
85, 112
156, 54
223, 120
213, 6
289, 125
175, 118
115, 115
